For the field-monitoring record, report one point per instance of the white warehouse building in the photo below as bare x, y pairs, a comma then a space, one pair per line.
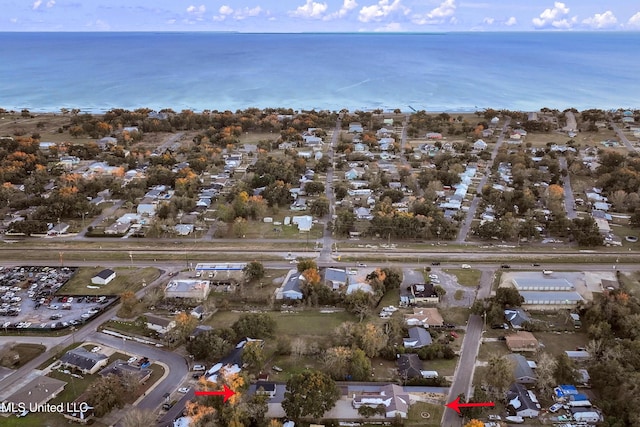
542, 284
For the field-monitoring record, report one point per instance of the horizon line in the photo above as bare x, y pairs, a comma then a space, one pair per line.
161, 31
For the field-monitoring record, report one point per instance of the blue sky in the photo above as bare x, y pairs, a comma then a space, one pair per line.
319, 15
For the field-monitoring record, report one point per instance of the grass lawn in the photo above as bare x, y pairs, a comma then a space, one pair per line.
455, 315
632, 282
308, 323
419, 411
458, 295
444, 367
129, 327
127, 279
27, 352
466, 277
74, 388
490, 349
557, 342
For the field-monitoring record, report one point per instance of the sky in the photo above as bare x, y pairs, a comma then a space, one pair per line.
267, 16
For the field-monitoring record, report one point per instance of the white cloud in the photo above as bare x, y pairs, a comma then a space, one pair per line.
347, 6
310, 10
36, 4
13, 20
488, 21
247, 12
379, 11
225, 10
51, 3
601, 20
634, 21
197, 11
446, 8
511, 21
555, 17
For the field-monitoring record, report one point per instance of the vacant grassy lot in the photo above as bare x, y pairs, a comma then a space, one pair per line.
455, 315
28, 352
127, 279
490, 349
424, 414
445, 368
632, 282
465, 277
557, 342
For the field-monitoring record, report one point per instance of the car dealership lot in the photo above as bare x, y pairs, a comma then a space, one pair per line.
28, 299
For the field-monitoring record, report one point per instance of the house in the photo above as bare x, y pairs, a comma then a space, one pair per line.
198, 312
355, 127
304, 222
291, 289
121, 367
409, 366
424, 317
434, 136
37, 392
522, 402
516, 317
383, 132
359, 286
480, 145
148, 209
578, 355
418, 338
104, 277
59, 229
522, 371
221, 273
188, 289
424, 293
183, 229
47, 146
264, 388
392, 397
335, 278
117, 228
84, 360
159, 324
354, 173
363, 213
522, 341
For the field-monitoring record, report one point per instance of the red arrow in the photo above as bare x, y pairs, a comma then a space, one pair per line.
226, 392
456, 405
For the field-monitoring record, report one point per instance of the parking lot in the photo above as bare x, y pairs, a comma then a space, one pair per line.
29, 301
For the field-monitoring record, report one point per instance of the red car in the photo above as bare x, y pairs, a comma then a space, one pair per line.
453, 334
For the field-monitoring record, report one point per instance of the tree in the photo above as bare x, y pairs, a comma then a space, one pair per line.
565, 371
139, 418
306, 264
253, 354
320, 207
545, 373
310, 393
499, 376
314, 187
185, 323
508, 297
209, 346
254, 271
129, 301
586, 232
336, 362
359, 303
106, 393
254, 325
372, 339
360, 366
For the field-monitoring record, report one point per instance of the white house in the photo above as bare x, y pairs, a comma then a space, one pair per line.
304, 222
479, 145
159, 324
391, 397
104, 277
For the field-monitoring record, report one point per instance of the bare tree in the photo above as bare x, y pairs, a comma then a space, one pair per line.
139, 418
545, 379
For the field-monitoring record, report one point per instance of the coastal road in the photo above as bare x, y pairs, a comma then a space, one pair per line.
622, 136
327, 235
475, 202
463, 377
569, 201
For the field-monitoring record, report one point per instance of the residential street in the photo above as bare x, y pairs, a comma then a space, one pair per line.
569, 201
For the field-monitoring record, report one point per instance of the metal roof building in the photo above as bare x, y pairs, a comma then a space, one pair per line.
551, 298
542, 284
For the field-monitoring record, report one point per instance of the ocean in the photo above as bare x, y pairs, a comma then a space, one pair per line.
228, 71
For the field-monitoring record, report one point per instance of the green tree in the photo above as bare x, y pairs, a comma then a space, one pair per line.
499, 376
255, 325
565, 371
359, 366
253, 355
309, 393
105, 394
307, 264
359, 303
508, 297
320, 207
254, 271
314, 187
209, 346
545, 373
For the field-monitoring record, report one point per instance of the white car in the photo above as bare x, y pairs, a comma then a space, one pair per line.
466, 266
199, 368
96, 349
362, 264
183, 390
433, 276
132, 359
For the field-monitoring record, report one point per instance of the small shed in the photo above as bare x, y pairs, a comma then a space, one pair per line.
104, 277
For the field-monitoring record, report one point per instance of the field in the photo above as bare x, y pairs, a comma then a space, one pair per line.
455, 315
490, 349
28, 352
424, 414
466, 277
557, 342
127, 279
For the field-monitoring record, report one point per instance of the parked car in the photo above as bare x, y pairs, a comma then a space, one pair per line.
466, 266
535, 264
183, 390
505, 266
454, 334
435, 263
199, 368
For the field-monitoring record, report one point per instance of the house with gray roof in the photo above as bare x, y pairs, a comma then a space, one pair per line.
292, 286
409, 366
37, 391
516, 317
418, 338
84, 360
522, 402
335, 278
392, 397
523, 373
